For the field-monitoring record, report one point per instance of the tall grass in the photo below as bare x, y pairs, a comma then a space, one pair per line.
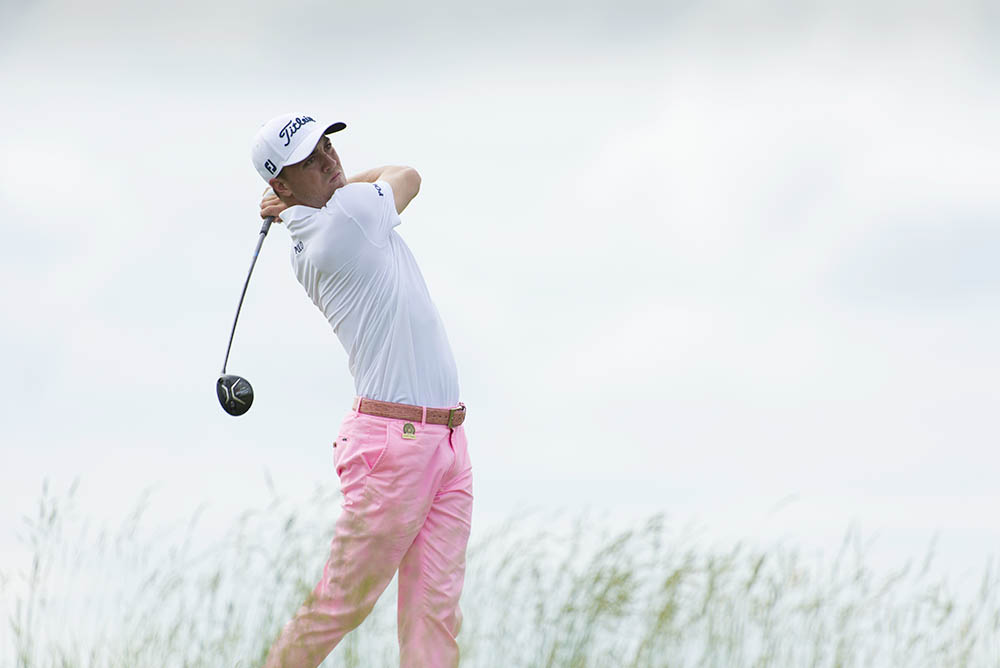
539, 592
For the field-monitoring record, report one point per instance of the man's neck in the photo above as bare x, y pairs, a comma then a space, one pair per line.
291, 201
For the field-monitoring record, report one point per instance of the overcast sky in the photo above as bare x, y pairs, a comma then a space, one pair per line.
733, 261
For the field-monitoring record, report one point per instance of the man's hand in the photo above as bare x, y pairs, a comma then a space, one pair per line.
270, 205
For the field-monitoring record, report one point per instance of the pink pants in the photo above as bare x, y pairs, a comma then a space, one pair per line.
407, 505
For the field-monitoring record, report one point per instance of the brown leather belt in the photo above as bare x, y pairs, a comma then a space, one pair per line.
452, 417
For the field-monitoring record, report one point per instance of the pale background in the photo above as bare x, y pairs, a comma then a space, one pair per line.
736, 262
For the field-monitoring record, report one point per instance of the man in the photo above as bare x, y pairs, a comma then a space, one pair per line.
401, 453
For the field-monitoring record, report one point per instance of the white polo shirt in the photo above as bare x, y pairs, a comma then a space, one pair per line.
363, 277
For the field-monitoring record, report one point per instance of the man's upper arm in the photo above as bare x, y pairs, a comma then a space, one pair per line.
371, 206
405, 185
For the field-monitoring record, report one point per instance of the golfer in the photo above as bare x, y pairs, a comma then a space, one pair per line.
401, 453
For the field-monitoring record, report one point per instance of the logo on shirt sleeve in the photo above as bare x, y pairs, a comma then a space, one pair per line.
298, 248
378, 189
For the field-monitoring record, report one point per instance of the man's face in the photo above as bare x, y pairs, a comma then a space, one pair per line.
313, 181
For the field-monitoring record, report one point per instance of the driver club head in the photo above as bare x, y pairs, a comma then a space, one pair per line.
235, 394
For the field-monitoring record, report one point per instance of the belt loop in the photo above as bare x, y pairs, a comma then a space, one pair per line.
423, 418
357, 411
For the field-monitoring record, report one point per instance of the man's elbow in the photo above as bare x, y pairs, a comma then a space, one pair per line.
406, 187
412, 180
413, 176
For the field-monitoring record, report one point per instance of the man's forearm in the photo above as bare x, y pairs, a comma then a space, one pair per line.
374, 174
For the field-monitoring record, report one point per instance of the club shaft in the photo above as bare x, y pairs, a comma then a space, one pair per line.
256, 252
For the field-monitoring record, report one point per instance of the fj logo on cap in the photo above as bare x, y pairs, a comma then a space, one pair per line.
292, 126
269, 166
409, 431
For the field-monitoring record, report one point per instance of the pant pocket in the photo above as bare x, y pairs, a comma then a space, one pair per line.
361, 449
373, 456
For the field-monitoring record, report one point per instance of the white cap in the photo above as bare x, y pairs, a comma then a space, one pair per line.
285, 140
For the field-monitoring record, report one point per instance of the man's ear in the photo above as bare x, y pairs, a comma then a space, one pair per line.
280, 188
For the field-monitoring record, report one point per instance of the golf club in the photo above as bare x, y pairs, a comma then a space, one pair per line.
235, 392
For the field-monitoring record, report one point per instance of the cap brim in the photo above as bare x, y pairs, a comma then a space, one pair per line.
309, 143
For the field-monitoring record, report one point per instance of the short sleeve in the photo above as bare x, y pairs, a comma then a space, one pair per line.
373, 208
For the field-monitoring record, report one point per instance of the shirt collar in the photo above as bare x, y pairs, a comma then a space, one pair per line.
294, 217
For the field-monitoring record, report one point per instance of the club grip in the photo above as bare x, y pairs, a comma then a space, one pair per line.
267, 225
